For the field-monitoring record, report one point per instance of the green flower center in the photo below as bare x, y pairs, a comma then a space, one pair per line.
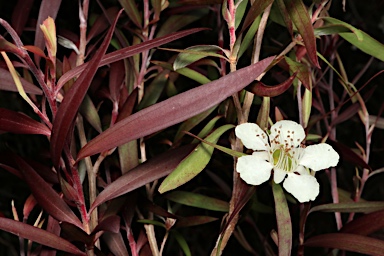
283, 159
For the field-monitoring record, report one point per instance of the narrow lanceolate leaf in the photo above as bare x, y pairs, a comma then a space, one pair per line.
261, 89
195, 53
363, 225
284, 225
197, 200
14, 122
365, 207
70, 105
133, 13
8, 84
127, 52
299, 15
257, 8
194, 163
173, 110
38, 235
46, 196
149, 171
361, 40
348, 242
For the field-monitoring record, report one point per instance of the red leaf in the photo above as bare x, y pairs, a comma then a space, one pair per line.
46, 196
348, 242
149, 171
363, 225
14, 122
20, 15
173, 110
68, 109
299, 15
257, 8
38, 235
111, 224
261, 89
128, 52
8, 84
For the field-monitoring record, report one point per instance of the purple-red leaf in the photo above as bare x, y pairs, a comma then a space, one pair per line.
8, 84
14, 122
261, 89
128, 52
68, 109
20, 15
257, 8
46, 196
348, 242
299, 15
111, 224
149, 171
38, 235
363, 225
173, 110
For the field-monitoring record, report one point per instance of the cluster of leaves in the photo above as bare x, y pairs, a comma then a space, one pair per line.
94, 121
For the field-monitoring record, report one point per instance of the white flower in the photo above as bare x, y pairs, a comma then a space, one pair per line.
282, 152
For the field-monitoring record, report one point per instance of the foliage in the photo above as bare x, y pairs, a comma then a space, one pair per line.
100, 104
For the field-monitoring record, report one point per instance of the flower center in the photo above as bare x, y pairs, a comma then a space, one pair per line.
284, 159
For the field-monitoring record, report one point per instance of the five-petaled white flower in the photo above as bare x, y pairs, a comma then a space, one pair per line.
283, 152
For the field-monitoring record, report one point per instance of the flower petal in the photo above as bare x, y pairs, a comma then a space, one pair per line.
319, 157
278, 175
286, 131
253, 170
252, 136
304, 187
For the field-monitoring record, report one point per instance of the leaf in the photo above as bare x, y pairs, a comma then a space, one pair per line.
47, 198
284, 225
363, 225
365, 207
173, 110
256, 9
195, 53
193, 221
89, 112
149, 171
197, 200
192, 122
69, 107
176, 22
14, 122
127, 52
348, 242
299, 15
133, 13
361, 40
48, 8
182, 242
154, 89
115, 243
110, 224
20, 15
261, 89
38, 235
302, 71
194, 163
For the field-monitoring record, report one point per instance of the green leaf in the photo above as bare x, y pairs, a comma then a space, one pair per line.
133, 13
194, 163
207, 129
192, 122
248, 39
195, 53
154, 89
181, 241
364, 207
240, 10
342, 27
197, 200
89, 112
194, 75
283, 219
361, 40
